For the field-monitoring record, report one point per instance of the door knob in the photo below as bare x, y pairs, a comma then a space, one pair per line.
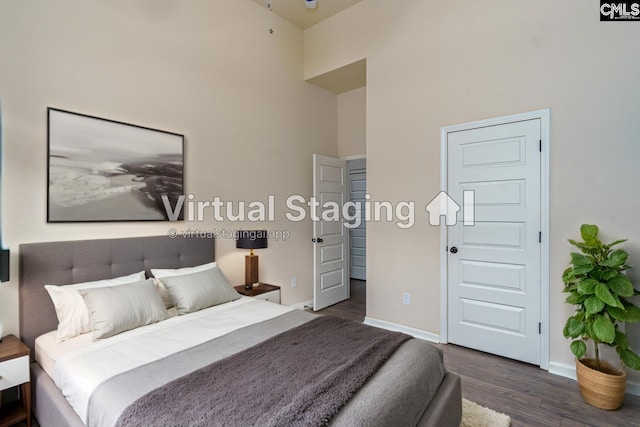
453, 250
318, 240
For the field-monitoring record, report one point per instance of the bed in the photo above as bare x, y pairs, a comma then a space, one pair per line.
398, 393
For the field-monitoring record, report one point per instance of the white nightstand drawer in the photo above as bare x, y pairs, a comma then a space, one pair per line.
273, 296
14, 372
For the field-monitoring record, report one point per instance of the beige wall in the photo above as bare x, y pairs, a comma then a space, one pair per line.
352, 122
432, 64
209, 70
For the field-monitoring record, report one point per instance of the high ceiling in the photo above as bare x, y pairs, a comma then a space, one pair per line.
298, 14
343, 79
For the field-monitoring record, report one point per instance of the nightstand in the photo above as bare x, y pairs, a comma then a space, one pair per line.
14, 371
263, 291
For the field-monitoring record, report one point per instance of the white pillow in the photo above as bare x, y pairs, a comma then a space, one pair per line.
193, 292
116, 309
159, 273
166, 272
73, 317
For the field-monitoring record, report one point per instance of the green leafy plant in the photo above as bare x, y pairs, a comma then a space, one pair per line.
599, 290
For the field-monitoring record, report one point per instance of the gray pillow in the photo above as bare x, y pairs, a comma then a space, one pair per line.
193, 292
116, 309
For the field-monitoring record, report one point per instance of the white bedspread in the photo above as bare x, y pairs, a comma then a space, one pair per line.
79, 370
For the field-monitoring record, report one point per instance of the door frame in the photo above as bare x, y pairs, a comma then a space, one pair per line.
544, 116
347, 158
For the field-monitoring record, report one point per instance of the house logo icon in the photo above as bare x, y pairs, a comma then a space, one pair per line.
444, 205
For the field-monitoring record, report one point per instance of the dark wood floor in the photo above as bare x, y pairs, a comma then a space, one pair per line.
354, 308
531, 396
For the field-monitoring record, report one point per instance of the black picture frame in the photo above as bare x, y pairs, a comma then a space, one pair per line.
101, 170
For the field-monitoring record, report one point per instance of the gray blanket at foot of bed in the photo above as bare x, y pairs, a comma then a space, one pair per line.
401, 389
299, 378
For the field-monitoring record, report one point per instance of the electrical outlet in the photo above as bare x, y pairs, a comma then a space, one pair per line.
294, 282
406, 298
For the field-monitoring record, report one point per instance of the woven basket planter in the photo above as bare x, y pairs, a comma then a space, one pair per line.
603, 389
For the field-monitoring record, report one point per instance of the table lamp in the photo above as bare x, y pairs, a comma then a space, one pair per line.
251, 239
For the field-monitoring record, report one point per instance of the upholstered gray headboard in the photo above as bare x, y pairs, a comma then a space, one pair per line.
61, 263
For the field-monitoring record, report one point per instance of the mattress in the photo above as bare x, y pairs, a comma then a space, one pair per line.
79, 365
48, 350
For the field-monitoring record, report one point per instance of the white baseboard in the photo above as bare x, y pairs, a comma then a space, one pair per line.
417, 333
302, 305
563, 370
569, 371
633, 387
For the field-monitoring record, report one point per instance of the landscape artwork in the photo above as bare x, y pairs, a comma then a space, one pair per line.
103, 170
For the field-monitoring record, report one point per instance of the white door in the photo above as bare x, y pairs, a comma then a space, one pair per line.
330, 238
494, 270
357, 170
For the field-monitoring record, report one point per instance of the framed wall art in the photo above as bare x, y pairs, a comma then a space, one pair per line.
104, 170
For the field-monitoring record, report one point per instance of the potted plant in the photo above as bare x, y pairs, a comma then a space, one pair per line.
599, 290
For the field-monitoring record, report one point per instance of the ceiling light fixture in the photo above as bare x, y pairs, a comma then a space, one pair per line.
310, 4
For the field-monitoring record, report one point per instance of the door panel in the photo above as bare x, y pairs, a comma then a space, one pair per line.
494, 277
331, 253
500, 318
485, 235
497, 194
494, 152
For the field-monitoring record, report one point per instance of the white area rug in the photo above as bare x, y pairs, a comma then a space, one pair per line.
474, 415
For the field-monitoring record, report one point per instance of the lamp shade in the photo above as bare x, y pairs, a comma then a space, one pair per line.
251, 239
